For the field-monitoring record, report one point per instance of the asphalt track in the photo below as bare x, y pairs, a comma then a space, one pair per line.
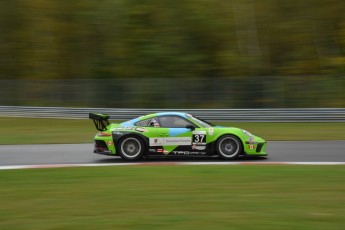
278, 151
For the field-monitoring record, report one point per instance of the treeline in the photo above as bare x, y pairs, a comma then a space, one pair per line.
59, 39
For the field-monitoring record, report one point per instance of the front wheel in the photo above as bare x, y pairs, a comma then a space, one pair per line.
131, 148
229, 147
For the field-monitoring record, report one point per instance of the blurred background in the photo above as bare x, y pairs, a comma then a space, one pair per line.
168, 54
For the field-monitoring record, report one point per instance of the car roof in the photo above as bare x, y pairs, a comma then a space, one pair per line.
131, 122
171, 113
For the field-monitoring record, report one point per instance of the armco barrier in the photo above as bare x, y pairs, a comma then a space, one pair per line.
238, 115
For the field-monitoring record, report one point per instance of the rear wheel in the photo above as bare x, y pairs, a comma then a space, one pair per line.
229, 147
131, 148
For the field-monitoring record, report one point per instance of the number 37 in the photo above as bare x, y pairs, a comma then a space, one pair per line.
199, 138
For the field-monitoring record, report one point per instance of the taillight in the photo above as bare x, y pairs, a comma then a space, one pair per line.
102, 134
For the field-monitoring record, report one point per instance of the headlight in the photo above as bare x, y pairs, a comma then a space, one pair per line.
247, 133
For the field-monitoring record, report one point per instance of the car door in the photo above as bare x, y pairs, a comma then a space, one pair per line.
177, 139
154, 134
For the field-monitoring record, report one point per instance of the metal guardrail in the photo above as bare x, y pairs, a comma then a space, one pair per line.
235, 115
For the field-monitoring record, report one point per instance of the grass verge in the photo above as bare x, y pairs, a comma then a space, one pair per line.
174, 197
44, 131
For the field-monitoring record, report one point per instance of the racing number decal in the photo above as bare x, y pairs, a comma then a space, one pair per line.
199, 138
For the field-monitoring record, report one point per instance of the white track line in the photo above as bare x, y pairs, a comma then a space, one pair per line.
165, 163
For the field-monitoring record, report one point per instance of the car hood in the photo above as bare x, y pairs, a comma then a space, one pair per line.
239, 132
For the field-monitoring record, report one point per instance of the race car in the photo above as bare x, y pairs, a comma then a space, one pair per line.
172, 134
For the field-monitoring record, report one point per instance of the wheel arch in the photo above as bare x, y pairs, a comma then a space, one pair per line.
119, 136
227, 134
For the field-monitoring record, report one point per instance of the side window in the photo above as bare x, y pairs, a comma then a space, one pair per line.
145, 122
174, 122
148, 122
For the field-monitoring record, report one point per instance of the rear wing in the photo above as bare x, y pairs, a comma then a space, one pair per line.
100, 120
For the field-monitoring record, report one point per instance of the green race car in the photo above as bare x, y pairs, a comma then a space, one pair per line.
172, 134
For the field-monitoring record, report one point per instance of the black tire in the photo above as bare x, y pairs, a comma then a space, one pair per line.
131, 148
229, 147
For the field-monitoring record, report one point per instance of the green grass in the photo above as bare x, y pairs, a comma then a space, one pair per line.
295, 131
43, 131
174, 197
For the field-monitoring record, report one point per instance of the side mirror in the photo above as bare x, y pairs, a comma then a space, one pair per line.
191, 127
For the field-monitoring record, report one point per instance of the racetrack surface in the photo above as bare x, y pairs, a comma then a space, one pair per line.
278, 151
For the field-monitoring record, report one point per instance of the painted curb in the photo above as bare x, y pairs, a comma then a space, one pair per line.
8, 167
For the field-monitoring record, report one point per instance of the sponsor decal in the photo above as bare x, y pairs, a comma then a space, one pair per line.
251, 140
210, 131
130, 128
251, 146
188, 153
156, 141
165, 152
110, 143
177, 141
170, 141
103, 134
198, 147
152, 150
142, 130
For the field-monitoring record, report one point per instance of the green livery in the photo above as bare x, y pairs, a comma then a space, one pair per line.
173, 134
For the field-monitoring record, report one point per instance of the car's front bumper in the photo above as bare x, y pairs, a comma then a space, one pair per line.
255, 149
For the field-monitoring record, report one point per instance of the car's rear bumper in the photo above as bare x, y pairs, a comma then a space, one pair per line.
103, 152
102, 148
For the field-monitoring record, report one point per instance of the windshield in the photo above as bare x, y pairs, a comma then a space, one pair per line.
200, 121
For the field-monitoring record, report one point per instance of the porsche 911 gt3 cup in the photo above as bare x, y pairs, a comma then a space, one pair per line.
172, 134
